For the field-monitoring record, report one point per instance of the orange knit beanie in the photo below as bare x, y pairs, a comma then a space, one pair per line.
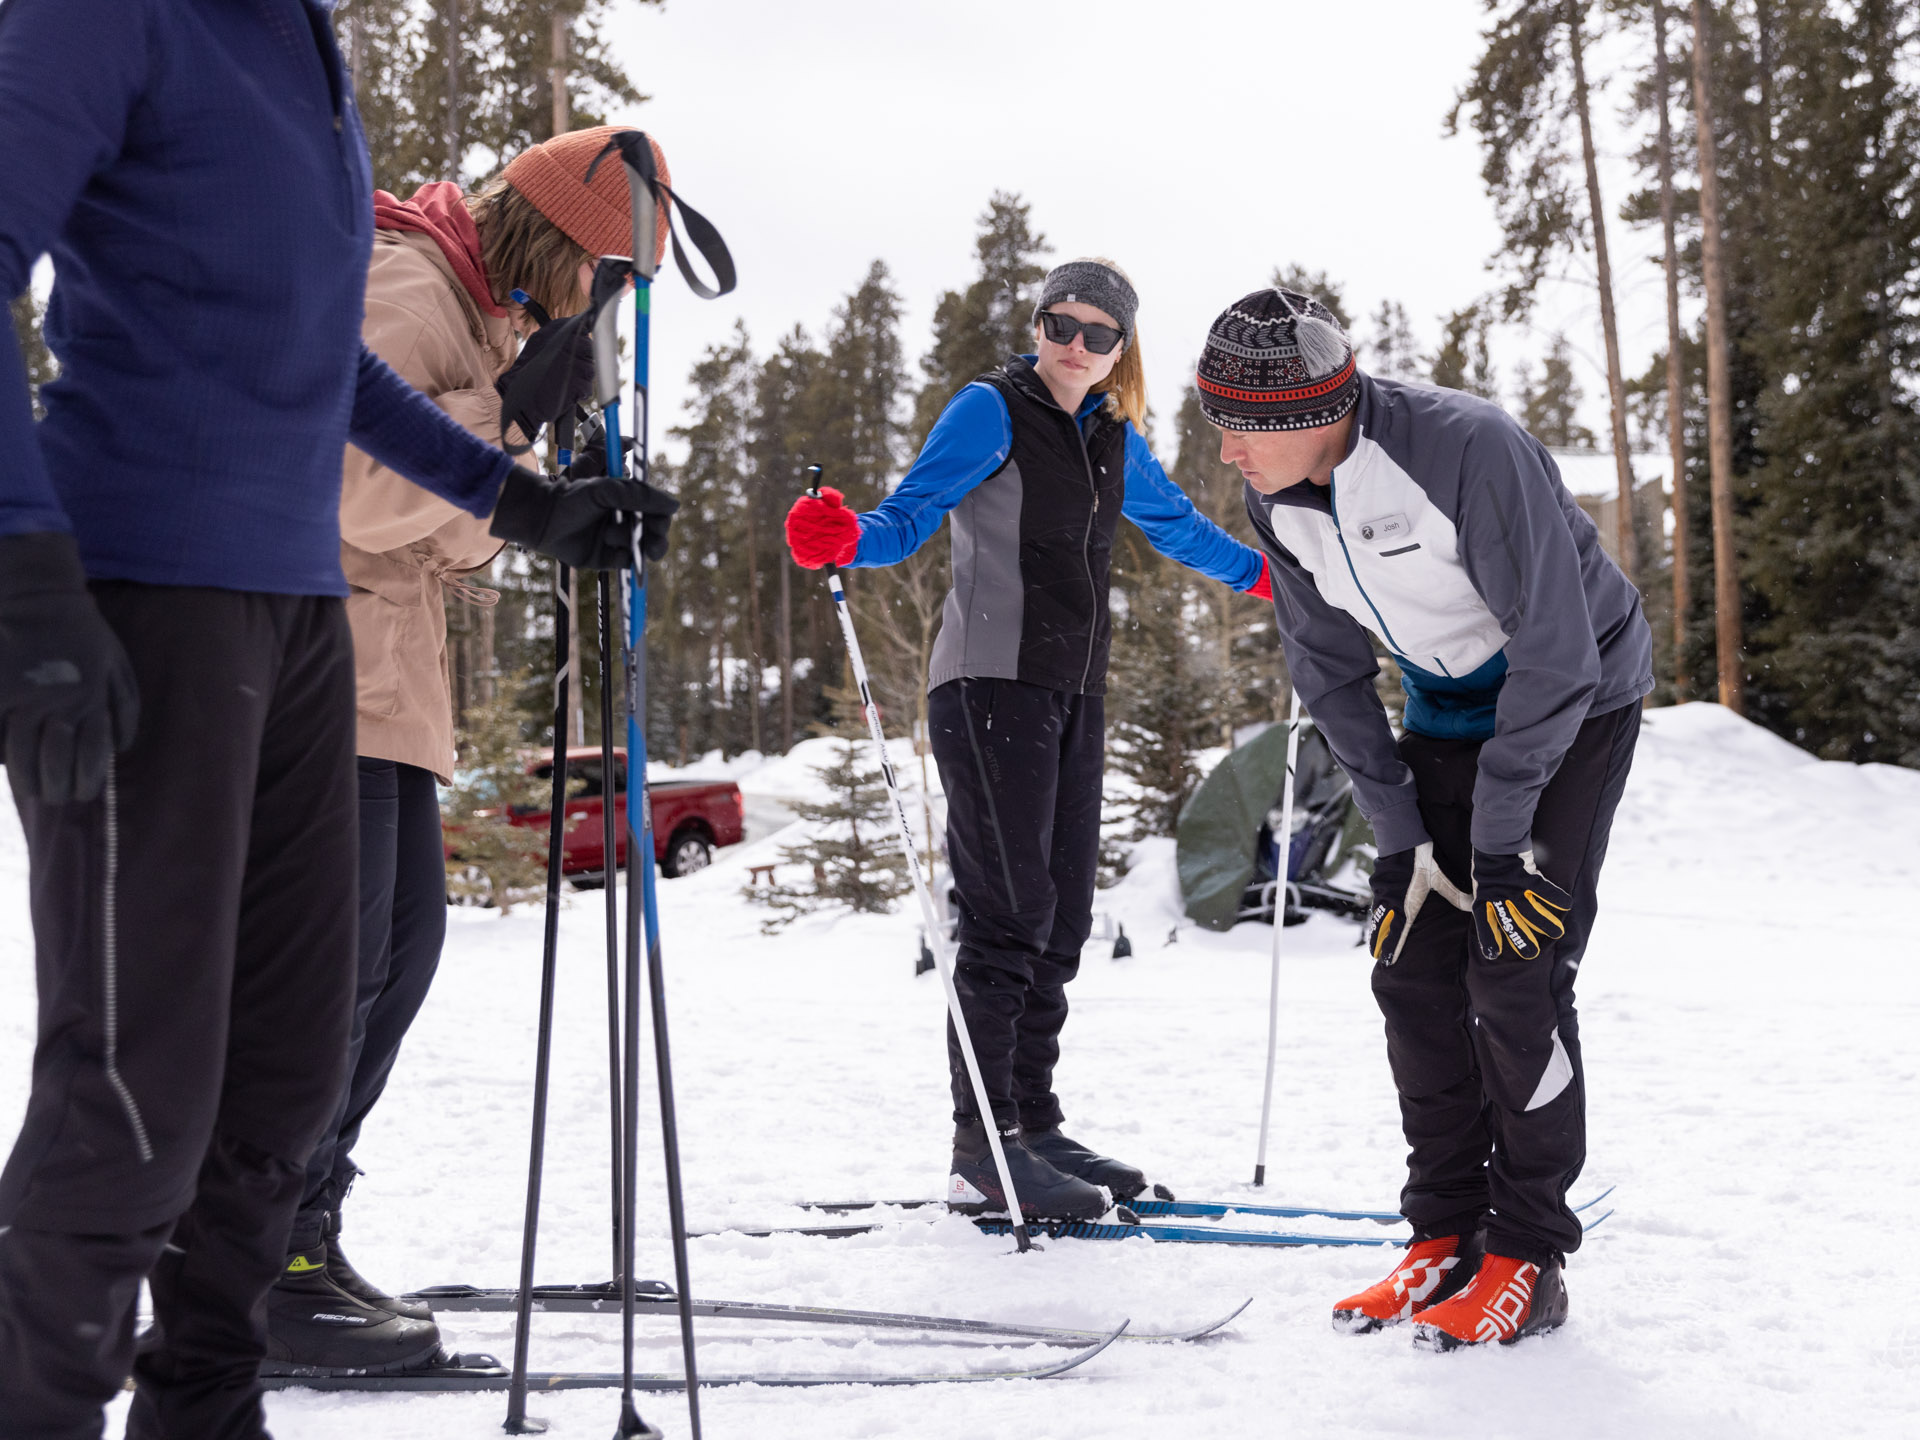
597, 217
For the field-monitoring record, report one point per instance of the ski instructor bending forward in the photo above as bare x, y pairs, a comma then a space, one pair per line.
176, 674
1037, 461
1431, 519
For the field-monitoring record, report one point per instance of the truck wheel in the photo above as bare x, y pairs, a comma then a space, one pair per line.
686, 852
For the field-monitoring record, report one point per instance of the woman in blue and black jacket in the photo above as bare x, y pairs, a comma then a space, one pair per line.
1037, 461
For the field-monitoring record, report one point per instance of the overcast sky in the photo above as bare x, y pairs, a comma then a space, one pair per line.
1198, 142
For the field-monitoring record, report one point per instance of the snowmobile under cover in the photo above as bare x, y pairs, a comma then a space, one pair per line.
1224, 842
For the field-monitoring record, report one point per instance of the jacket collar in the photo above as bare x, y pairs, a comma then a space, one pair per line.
1309, 496
1024, 378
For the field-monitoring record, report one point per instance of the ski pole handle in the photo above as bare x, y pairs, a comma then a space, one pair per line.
814, 475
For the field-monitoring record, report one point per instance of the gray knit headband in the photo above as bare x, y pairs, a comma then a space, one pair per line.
1091, 283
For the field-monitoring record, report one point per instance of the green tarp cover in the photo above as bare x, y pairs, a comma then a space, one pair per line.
1219, 828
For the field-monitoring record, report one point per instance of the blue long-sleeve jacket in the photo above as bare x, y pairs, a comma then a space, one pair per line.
972, 440
197, 171
1036, 496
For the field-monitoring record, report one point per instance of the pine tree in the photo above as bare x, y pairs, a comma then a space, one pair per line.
852, 849
782, 439
1464, 361
1243, 665
1160, 710
1550, 409
495, 862
976, 329
700, 622
1529, 85
1392, 352
1829, 545
441, 84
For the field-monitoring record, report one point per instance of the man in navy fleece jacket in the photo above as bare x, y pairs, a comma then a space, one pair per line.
176, 677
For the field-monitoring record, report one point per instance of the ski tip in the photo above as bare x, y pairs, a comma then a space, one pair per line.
1598, 1198
1591, 1224
1080, 1357
1222, 1324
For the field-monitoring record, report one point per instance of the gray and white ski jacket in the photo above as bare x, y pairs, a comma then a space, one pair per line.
1447, 533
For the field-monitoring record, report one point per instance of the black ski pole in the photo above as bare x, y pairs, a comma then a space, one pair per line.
606, 596
645, 191
517, 1421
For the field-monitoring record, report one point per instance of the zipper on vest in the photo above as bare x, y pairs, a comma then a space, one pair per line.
1086, 553
1334, 501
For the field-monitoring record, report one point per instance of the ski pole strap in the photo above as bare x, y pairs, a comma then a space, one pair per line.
636, 150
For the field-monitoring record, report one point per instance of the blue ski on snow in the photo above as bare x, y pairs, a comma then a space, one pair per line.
1183, 1209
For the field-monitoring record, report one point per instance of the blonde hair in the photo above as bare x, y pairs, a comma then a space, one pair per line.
1126, 384
520, 248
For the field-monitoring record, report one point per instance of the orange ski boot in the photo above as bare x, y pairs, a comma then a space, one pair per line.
1428, 1273
1508, 1300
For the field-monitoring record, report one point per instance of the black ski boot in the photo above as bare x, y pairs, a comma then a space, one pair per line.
315, 1328
1070, 1157
973, 1187
341, 1272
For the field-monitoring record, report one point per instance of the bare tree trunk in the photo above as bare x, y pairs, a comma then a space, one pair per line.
453, 139
753, 624
786, 655
487, 665
557, 75
1726, 573
1616, 384
357, 43
1676, 411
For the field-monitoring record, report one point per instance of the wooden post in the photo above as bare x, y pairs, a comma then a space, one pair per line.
1726, 567
1676, 403
1627, 543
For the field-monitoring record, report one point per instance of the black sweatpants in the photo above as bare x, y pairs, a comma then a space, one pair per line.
1486, 1053
403, 925
193, 935
1022, 766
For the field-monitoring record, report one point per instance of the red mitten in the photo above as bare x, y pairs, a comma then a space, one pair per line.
1262, 589
821, 530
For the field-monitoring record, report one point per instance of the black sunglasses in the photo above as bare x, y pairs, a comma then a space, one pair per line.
1061, 329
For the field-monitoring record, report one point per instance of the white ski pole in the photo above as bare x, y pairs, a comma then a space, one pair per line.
936, 934
1281, 865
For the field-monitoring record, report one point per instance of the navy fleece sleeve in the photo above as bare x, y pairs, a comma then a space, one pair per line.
971, 439
409, 434
70, 74
1175, 528
1519, 553
1333, 667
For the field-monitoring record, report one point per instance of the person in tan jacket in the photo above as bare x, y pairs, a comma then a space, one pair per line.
439, 311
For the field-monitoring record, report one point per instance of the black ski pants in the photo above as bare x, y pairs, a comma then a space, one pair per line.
1486, 1053
403, 925
193, 934
1022, 766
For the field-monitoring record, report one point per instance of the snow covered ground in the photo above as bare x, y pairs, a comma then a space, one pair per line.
1749, 1005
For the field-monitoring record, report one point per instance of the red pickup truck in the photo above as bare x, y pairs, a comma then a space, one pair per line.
691, 818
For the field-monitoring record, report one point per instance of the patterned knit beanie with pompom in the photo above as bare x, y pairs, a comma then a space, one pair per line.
1277, 360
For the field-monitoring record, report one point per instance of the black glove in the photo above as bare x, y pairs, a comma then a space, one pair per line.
552, 374
1517, 911
576, 523
1401, 883
67, 694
